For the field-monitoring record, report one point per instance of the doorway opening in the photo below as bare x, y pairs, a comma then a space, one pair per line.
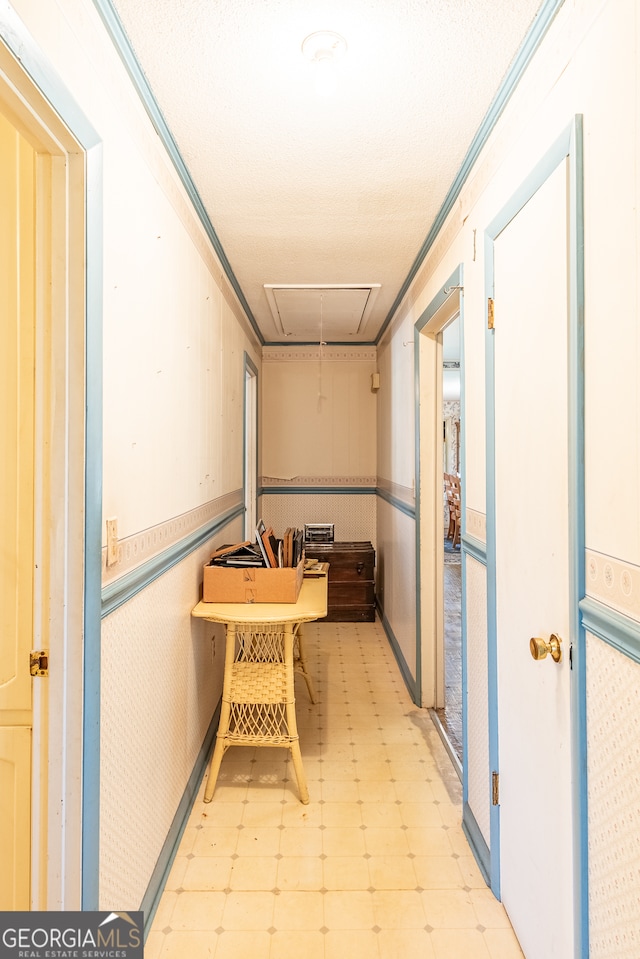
440, 449
449, 707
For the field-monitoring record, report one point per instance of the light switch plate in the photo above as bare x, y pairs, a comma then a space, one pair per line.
112, 542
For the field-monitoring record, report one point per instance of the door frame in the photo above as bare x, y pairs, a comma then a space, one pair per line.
65, 851
250, 446
568, 146
445, 305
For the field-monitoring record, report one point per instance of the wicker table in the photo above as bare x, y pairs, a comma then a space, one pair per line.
264, 646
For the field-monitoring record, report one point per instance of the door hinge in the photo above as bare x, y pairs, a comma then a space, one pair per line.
490, 314
571, 656
495, 789
39, 662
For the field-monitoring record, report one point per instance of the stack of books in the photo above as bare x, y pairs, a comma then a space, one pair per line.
280, 553
240, 554
267, 551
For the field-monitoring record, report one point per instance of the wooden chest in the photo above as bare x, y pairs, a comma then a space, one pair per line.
352, 596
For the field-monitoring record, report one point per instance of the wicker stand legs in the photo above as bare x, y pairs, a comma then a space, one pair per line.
300, 659
258, 702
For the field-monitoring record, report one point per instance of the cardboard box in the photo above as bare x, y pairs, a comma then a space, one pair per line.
251, 584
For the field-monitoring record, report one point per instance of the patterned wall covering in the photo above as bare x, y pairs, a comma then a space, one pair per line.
160, 686
304, 482
353, 514
613, 582
314, 354
613, 731
478, 695
396, 577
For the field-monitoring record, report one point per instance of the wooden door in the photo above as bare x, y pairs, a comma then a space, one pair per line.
17, 383
531, 296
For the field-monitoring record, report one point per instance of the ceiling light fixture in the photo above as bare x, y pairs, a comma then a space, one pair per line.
324, 48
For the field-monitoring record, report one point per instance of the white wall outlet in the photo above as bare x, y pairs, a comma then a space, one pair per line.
112, 542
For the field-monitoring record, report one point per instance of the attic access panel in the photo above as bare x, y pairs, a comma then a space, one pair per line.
327, 312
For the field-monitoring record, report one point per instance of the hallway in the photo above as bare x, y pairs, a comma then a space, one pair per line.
375, 867
200, 334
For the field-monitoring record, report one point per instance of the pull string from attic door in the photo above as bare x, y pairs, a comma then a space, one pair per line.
321, 346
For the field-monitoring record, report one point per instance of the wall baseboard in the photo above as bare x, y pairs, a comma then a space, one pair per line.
409, 680
477, 842
151, 898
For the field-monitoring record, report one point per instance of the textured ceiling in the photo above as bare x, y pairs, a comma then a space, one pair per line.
341, 189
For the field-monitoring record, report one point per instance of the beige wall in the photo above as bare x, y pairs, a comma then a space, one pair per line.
318, 414
318, 430
396, 409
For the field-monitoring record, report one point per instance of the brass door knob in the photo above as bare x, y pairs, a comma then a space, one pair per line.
540, 648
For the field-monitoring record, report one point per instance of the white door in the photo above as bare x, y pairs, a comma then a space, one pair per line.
532, 570
17, 381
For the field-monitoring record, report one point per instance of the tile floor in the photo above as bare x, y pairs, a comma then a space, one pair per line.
375, 867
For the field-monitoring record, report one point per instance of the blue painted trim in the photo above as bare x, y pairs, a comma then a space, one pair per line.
121, 42
490, 553
477, 842
153, 894
577, 535
128, 586
317, 490
357, 344
409, 681
398, 504
93, 532
567, 145
474, 548
614, 628
249, 364
530, 44
441, 297
559, 150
